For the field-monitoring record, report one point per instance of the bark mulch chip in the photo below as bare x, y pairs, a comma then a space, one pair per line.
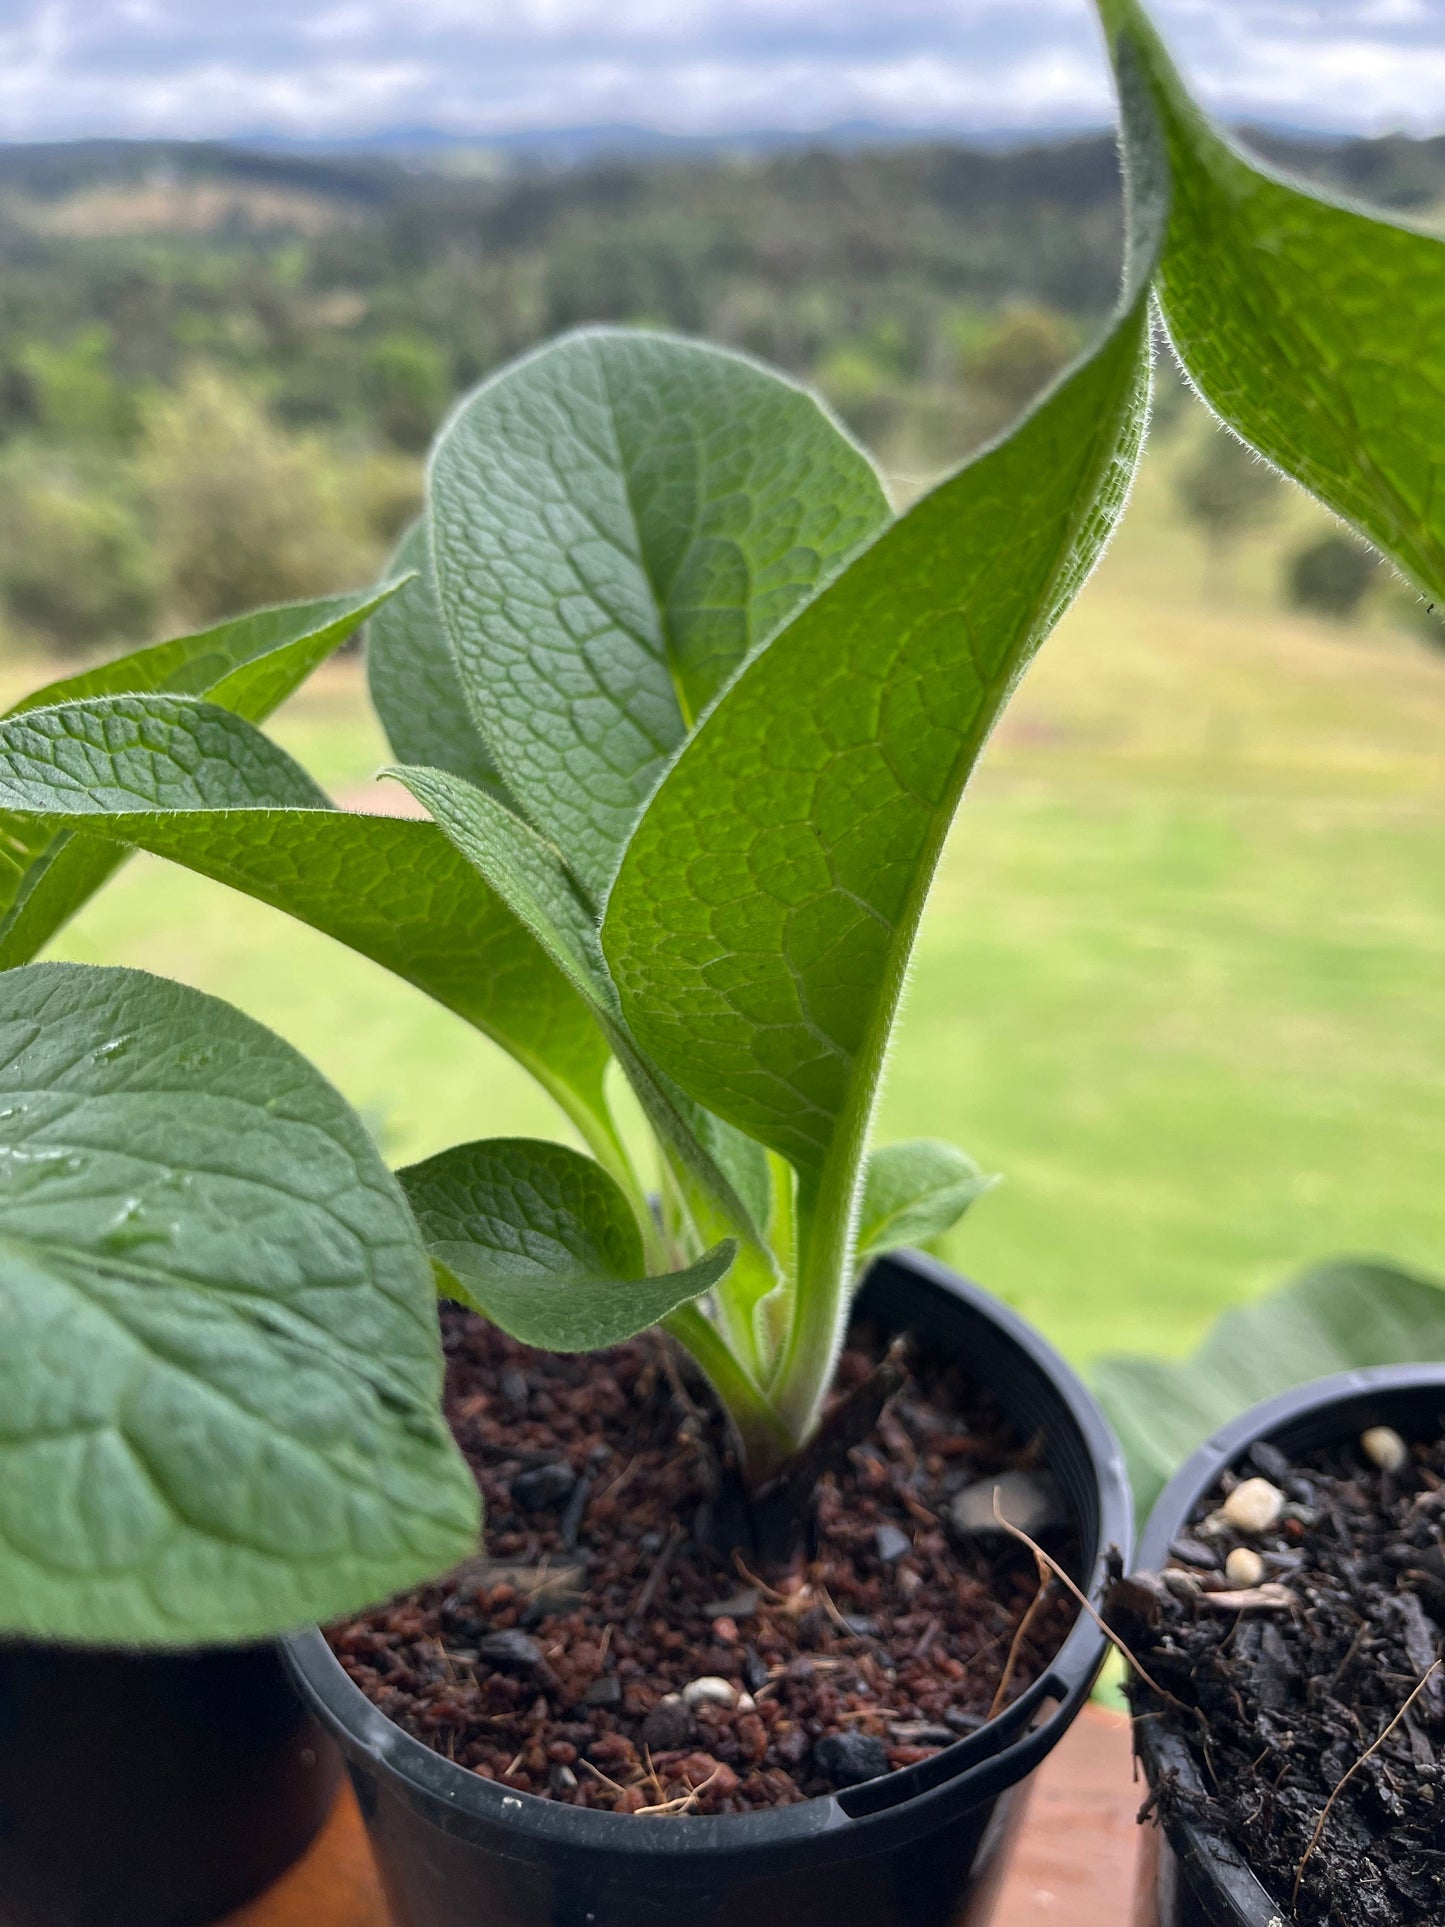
604, 1652
1295, 1692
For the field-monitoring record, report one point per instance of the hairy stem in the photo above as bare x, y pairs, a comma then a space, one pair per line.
750, 1279
733, 1297
820, 1298
766, 1441
783, 1232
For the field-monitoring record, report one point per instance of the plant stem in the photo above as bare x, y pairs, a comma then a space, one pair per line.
736, 1296
678, 1222
766, 1441
783, 1230
753, 1271
820, 1297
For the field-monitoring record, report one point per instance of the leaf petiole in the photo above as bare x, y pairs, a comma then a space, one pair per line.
766, 1440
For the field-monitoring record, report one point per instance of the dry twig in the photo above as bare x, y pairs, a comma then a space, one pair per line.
1017, 1532
1345, 1779
1021, 1633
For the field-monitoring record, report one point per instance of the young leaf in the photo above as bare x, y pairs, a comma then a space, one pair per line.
764, 905
616, 522
239, 810
219, 1371
249, 665
1330, 1319
524, 869
762, 918
543, 1242
529, 875
415, 686
127, 753
915, 1191
763, 914
1316, 330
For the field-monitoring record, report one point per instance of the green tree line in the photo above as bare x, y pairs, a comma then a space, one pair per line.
218, 368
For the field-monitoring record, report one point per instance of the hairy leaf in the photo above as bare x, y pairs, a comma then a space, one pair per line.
761, 921
529, 875
219, 1371
915, 1191
413, 675
762, 918
190, 782
616, 522
1330, 1319
544, 1243
126, 753
524, 869
249, 665
1316, 330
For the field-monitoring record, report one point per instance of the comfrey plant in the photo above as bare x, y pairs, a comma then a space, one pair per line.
691, 712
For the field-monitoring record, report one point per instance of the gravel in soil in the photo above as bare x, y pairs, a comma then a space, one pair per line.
602, 1653
1294, 1693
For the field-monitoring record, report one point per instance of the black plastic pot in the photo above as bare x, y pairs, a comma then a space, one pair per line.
924, 1847
1191, 1876
151, 1791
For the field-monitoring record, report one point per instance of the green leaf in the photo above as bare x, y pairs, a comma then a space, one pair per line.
192, 783
544, 1243
762, 918
617, 521
249, 665
1314, 329
220, 1375
413, 675
915, 1191
529, 875
127, 753
1332, 1318
742, 1162
761, 922
524, 869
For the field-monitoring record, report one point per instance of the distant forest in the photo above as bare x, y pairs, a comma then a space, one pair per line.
219, 367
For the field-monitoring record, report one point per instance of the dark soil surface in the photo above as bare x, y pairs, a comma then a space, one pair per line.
1294, 1694
557, 1662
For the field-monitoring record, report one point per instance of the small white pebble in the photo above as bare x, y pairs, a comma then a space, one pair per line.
1244, 1569
1253, 1506
1383, 1444
746, 1703
710, 1691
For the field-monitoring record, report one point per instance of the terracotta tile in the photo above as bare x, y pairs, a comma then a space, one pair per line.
1076, 1854
335, 1885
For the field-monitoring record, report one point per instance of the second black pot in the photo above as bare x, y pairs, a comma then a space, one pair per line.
141, 1790
924, 1847
1190, 1875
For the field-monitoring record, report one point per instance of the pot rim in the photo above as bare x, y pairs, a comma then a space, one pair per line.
1204, 1849
994, 1757
1230, 1442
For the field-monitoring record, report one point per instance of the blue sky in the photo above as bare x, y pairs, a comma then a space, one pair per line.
479, 67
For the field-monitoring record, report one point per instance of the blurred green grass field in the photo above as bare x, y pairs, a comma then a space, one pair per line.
1179, 982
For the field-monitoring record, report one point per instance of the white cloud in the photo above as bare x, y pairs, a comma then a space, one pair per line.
186, 67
